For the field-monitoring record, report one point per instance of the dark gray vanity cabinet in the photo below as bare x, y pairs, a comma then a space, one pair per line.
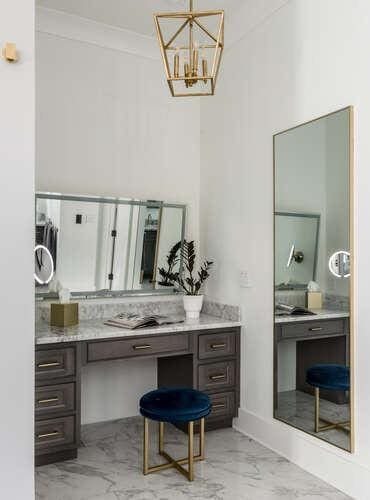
57, 402
207, 360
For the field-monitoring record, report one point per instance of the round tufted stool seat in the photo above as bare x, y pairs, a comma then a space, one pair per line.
333, 378
175, 405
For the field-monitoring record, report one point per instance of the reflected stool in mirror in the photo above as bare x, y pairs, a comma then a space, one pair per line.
332, 378
174, 405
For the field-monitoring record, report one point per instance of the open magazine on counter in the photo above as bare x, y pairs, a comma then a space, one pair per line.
133, 321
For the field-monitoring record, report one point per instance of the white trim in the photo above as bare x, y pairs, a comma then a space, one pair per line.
72, 27
313, 455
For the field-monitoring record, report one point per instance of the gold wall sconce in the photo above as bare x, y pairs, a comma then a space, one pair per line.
9, 52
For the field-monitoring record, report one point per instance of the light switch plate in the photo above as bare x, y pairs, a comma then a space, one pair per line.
244, 279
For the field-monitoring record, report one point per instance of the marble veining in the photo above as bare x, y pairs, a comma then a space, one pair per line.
95, 329
236, 468
320, 314
107, 308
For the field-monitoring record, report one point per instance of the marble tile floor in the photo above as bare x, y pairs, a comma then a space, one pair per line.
236, 468
297, 409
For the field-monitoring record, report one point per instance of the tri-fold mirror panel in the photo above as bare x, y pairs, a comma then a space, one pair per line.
105, 246
313, 334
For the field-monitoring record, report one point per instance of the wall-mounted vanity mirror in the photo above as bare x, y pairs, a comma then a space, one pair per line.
107, 246
313, 278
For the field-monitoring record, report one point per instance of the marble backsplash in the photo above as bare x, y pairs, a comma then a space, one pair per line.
298, 298
107, 308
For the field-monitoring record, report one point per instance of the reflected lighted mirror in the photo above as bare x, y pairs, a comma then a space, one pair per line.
106, 246
44, 265
312, 278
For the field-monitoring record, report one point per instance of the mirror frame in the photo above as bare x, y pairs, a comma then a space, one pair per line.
115, 201
352, 322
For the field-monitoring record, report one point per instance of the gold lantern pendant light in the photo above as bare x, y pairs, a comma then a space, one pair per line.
191, 45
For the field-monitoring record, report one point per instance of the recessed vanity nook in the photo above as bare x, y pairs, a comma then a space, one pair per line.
313, 325
107, 253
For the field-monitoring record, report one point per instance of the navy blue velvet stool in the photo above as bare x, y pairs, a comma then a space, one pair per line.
332, 378
174, 405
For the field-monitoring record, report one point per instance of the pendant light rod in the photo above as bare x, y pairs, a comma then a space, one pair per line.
191, 5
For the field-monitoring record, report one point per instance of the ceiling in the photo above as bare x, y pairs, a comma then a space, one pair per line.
134, 15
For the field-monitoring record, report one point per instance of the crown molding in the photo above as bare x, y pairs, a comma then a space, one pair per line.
72, 27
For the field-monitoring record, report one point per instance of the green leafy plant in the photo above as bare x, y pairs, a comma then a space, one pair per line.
190, 281
168, 276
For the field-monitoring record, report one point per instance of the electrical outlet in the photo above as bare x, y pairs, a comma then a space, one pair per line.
244, 279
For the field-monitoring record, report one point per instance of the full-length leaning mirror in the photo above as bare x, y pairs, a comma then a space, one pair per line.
107, 246
314, 278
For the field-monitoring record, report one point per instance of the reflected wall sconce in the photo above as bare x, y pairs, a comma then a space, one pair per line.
295, 255
9, 52
191, 44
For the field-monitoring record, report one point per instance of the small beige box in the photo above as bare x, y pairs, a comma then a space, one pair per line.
314, 300
64, 314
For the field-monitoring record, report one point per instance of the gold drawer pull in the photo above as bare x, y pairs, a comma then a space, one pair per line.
45, 401
48, 365
141, 347
217, 377
48, 434
220, 405
217, 346
316, 329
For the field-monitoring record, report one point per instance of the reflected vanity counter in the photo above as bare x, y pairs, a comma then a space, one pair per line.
302, 341
202, 354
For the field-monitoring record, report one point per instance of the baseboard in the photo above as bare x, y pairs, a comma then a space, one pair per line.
337, 467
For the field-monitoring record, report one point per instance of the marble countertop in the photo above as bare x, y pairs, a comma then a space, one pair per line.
320, 314
95, 329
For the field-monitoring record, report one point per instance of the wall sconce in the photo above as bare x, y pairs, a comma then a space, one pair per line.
9, 52
295, 255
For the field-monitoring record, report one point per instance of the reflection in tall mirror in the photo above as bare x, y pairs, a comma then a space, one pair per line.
313, 307
106, 246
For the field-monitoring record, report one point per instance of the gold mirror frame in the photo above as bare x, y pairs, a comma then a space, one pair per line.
352, 323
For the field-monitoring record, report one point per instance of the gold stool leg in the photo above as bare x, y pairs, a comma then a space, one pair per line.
191, 451
317, 409
161, 437
202, 453
146, 447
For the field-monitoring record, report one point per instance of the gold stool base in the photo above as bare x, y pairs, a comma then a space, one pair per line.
329, 425
171, 462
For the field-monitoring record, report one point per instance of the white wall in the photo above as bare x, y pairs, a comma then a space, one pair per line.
106, 125
304, 60
16, 257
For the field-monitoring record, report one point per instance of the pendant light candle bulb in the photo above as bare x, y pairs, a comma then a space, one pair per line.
205, 69
176, 65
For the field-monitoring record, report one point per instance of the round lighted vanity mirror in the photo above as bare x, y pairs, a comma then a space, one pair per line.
44, 265
339, 264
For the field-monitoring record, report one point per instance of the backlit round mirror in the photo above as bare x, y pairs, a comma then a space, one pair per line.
339, 264
44, 265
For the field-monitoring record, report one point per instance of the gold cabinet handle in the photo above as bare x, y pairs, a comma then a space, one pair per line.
217, 346
45, 401
48, 434
316, 329
48, 365
220, 405
141, 347
217, 377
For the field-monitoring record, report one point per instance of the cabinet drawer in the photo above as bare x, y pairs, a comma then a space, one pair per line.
55, 363
223, 404
216, 375
54, 432
116, 349
312, 328
214, 345
54, 398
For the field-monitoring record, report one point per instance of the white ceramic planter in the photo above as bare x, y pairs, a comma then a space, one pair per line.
193, 305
